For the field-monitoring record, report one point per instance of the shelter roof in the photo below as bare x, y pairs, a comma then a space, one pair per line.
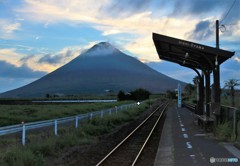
189, 54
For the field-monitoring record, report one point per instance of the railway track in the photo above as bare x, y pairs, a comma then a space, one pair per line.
131, 150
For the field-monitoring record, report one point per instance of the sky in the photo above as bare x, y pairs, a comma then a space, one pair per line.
39, 36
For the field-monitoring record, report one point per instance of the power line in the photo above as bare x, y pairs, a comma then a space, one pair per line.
228, 11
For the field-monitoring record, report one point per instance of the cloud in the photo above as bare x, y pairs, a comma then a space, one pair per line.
12, 27
137, 21
59, 58
203, 30
126, 8
51, 61
8, 28
237, 59
11, 71
101, 49
10, 55
199, 8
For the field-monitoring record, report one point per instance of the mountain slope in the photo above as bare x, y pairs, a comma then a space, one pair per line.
101, 68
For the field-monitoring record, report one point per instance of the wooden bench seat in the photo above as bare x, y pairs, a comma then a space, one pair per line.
205, 121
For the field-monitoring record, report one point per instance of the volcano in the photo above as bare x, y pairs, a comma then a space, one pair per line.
99, 69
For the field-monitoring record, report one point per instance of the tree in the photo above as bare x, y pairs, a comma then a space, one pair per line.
231, 84
140, 94
189, 89
121, 96
195, 80
48, 95
171, 94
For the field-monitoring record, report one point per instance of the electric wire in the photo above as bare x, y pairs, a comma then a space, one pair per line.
229, 10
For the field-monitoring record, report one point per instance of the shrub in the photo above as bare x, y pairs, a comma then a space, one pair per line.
45, 148
224, 131
22, 157
238, 130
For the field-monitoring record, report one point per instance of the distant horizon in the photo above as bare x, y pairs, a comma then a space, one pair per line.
37, 37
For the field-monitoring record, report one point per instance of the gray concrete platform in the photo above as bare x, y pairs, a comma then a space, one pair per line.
185, 144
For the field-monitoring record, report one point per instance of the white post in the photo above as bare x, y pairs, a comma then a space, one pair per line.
23, 134
101, 114
76, 122
116, 109
179, 96
110, 111
91, 116
55, 127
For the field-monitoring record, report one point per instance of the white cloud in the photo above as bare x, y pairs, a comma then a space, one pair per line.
237, 59
49, 62
10, 55
12, 27
139, 26
7, 28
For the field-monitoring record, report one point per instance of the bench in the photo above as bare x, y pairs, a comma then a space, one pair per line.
205, 122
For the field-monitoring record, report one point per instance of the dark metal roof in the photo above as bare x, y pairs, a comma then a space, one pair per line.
189, 54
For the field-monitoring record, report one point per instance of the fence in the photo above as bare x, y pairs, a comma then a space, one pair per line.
6, 130
230, 114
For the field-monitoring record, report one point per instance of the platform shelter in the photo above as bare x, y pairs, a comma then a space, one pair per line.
204, 60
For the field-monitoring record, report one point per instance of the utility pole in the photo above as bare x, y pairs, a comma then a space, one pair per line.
216, 75
217, 33
216, 70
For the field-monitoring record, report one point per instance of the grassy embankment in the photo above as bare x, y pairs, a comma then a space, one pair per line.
41, 145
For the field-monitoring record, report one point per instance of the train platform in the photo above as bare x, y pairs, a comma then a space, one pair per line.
184, 143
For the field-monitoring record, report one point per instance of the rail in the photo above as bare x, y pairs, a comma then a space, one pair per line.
133, 132
6, 130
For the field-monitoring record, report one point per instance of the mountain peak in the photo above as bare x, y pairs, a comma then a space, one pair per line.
102, 49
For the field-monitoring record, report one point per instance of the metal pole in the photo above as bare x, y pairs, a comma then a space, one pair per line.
179, 96
91, 115
55, 127
76, 122
23, 134
217, 33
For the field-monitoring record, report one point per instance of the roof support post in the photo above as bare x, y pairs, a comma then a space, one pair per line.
207, 92
200, 94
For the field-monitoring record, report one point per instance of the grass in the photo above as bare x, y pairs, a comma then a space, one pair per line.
15, 114
39, 146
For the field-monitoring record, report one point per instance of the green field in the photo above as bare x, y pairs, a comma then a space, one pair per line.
15, 114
